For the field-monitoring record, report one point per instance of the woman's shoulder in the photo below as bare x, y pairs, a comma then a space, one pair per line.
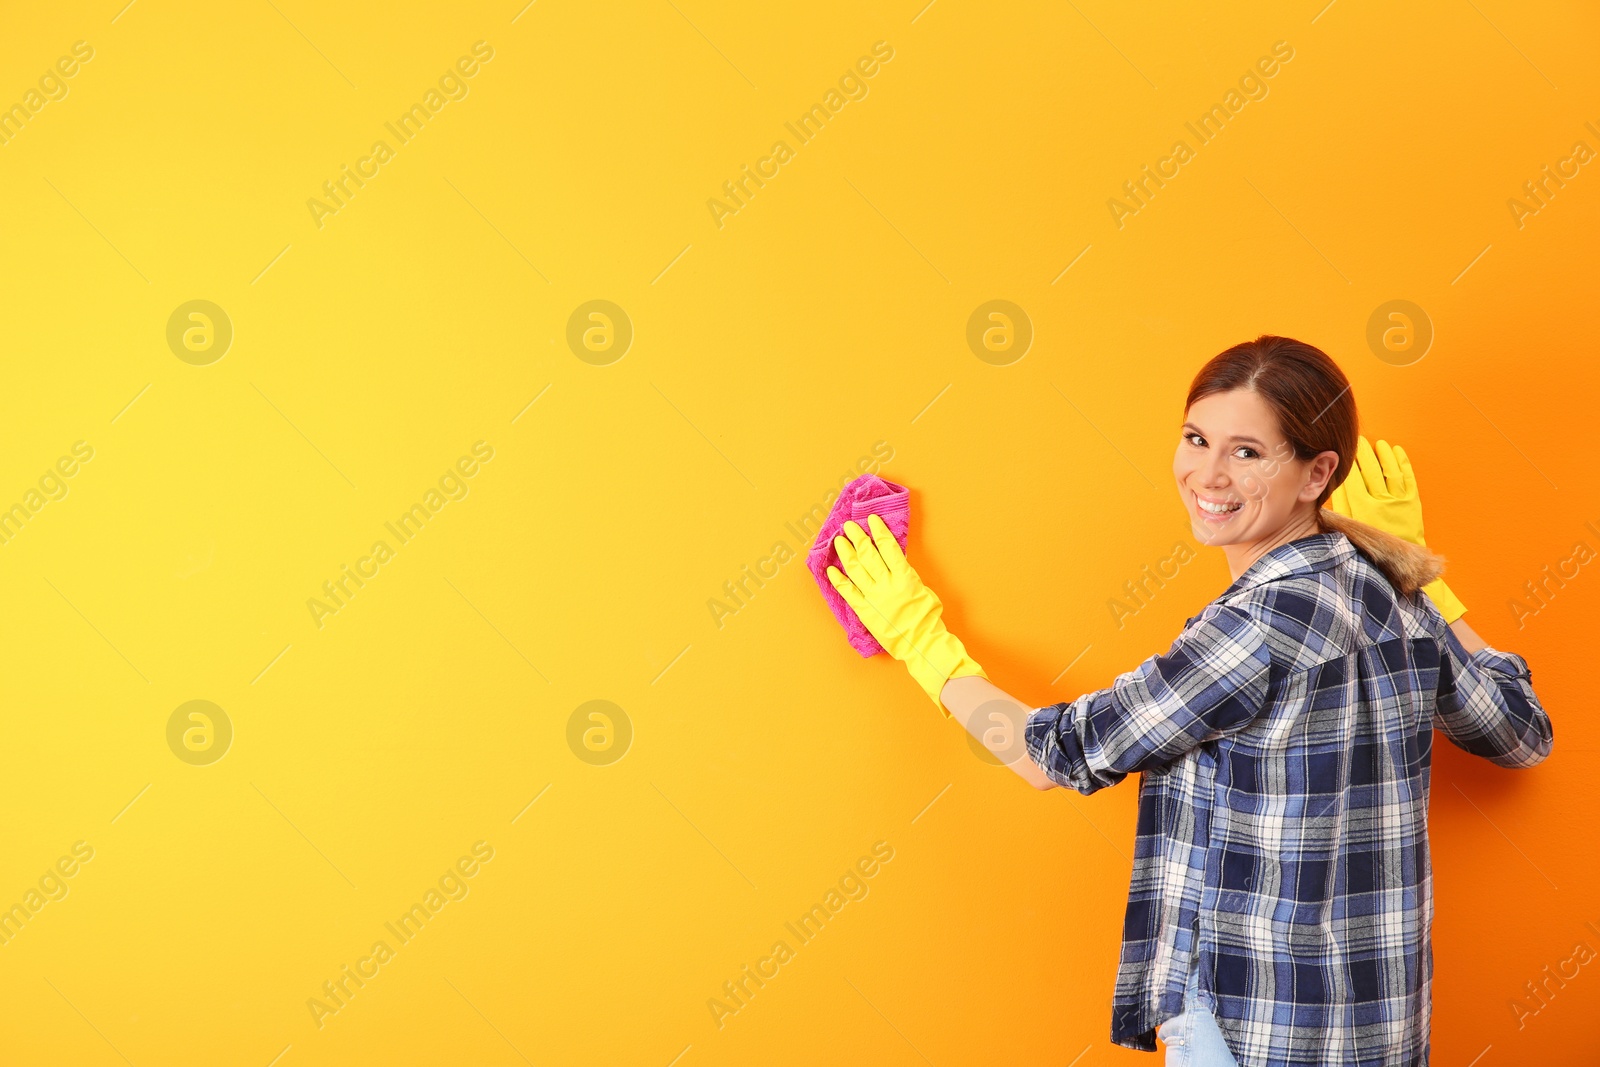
1310, 617
1322, 614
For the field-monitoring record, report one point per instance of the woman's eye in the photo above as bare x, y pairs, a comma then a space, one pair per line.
1253, 454
1192, 438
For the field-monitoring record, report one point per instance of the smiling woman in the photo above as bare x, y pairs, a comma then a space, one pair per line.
1241, 494
1281, 897
1283, 423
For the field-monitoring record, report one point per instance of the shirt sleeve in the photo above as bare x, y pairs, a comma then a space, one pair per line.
1486, 705
1214, 679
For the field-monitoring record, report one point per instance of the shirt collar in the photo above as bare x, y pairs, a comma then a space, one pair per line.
1314, 552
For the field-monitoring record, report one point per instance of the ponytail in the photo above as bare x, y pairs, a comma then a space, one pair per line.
1408, 567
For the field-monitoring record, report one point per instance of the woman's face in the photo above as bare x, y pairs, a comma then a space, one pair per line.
1233, 457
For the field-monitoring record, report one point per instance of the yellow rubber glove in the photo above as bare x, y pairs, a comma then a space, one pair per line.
1381, 491
896, 608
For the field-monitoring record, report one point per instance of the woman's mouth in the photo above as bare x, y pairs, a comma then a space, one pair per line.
1216, 511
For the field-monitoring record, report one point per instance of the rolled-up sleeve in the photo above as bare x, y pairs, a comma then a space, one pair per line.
1214, 679
1486, 705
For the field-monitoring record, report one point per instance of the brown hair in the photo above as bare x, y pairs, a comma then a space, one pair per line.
1317, 413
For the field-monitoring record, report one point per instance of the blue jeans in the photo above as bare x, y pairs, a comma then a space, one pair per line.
1193, 1039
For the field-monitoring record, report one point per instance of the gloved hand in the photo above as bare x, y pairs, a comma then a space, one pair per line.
1381, 491
893, 604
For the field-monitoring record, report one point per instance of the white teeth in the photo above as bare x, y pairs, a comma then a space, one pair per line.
1218, 509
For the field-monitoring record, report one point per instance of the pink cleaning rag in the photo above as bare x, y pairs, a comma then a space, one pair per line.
867, 495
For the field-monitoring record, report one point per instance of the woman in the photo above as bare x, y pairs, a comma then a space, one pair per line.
1281, 897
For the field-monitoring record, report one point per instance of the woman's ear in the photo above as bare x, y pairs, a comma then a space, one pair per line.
1318, 472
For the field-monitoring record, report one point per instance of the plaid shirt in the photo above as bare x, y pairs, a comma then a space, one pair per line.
1285, 742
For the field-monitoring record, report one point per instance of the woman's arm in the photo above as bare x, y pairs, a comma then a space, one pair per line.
1486, 703
996, 719
1382, 491
1214, 679
1467, 636
905, 616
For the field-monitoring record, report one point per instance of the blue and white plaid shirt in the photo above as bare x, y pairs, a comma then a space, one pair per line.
1285, 743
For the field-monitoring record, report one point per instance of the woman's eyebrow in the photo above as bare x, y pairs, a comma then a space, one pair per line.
1241, 440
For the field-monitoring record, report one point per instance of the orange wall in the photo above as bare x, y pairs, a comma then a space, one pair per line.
374, 747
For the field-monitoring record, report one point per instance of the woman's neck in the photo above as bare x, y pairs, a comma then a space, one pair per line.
1242, 556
